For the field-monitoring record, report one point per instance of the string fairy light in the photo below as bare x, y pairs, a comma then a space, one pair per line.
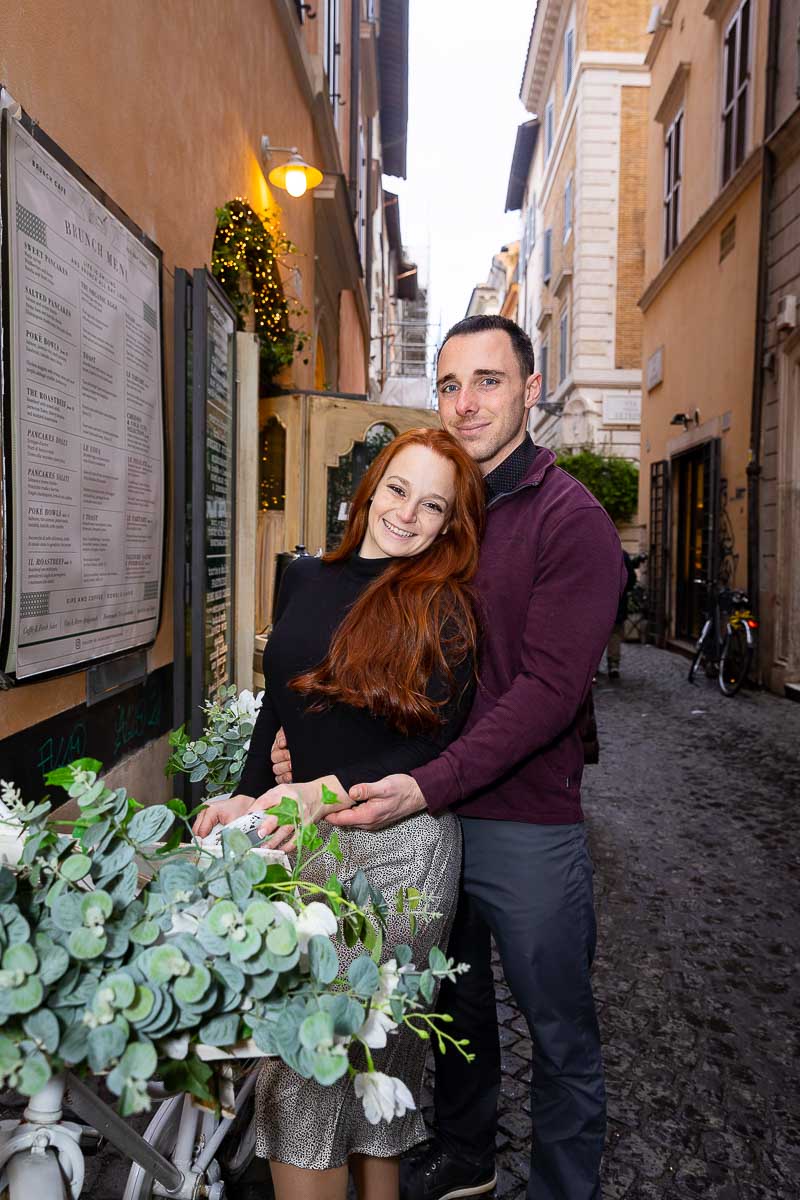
247, 253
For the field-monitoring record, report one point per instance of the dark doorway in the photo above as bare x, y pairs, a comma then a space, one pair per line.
696, 476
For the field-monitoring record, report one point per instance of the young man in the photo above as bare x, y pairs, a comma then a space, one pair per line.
549, 581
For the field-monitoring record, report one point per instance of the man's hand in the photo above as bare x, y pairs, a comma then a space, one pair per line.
381, 804
221, 812
281, 759
310, 800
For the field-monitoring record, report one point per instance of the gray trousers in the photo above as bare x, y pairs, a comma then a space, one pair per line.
530, 888
614, 648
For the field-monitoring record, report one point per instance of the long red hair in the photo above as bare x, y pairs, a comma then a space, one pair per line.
417, 618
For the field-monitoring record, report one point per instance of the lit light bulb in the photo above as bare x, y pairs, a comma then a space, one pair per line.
295, 181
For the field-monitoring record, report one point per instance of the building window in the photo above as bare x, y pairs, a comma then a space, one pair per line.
568, 208
673, 170
736, 86
569, 60
528, 240
563, 346
530, 228
547, 268
331, 51
544, 353
549, 128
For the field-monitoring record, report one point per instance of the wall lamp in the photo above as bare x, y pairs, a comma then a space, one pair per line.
295, 176
686, 419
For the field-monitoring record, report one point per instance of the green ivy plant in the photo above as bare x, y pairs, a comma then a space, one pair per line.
247, 253
614, 481
125, 950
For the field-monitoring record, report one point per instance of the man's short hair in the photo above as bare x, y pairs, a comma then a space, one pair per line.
482, 323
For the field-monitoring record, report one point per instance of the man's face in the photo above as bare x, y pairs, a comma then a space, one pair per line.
483, 398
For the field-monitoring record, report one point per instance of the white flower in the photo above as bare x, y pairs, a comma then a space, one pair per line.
313, 918
383, 1096
11, 828
247, 705
374, 1030
286, 911
390, 977
10, 796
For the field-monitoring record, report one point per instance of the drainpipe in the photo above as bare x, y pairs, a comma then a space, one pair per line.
767, 178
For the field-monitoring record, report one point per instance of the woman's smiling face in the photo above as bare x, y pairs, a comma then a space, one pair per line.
411, 505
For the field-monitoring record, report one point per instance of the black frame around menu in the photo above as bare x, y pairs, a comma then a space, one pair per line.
7, 496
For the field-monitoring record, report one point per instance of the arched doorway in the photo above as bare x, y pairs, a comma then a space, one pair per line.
345, 478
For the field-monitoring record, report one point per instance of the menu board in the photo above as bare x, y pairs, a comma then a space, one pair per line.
219, 488
85, 412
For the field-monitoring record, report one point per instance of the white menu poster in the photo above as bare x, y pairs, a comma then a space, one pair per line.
87, 445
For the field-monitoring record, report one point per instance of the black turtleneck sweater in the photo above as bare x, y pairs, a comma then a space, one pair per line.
341, 740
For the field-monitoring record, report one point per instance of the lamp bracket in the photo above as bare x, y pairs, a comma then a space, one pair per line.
267, 148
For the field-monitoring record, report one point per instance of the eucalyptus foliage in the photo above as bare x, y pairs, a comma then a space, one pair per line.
217, 758
122, 950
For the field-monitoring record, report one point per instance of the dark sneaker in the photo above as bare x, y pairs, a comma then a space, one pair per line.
434, 1175
613, 672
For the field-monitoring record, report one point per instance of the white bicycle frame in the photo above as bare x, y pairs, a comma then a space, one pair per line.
41, 1155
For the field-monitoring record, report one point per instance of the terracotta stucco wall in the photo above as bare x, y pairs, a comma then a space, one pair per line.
696, 40
163, 105
352, 366
704, 319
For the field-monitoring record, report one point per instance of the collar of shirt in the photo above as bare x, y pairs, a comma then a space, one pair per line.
511, 471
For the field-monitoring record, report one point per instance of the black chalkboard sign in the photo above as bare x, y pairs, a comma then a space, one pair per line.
107, 731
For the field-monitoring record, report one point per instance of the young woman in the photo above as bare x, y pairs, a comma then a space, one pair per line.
369, 670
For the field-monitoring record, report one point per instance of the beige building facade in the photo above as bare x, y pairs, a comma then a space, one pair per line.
699, 302
578, 179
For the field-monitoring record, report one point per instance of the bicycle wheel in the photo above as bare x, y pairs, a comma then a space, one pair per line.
734, 662
700, 652
161, 1134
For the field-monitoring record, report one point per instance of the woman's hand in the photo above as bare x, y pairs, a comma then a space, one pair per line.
313, 807
281, 759
222, 812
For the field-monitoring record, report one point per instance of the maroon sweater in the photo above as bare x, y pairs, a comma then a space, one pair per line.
549, 582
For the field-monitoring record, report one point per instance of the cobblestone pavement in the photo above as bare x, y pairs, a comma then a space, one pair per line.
692, 827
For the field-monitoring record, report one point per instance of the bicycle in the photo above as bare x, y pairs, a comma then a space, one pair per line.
726, 644
182, 1154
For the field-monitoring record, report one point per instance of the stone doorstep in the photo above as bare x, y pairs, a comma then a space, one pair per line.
792, 691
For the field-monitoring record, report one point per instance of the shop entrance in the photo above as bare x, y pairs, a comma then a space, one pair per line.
697, 488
